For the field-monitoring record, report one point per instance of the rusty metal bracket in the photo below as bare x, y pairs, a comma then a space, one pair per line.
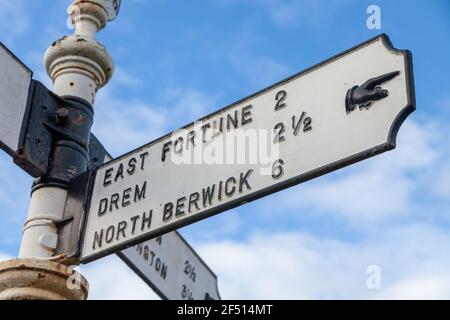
55, 127
97, 153
36, 141
69, 231
70, 227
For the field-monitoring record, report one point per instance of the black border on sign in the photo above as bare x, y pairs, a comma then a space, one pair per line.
148, 281
26, 113
389, 145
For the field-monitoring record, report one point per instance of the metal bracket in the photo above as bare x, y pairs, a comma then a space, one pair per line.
97, 153
51, 119
69, 228
36, 141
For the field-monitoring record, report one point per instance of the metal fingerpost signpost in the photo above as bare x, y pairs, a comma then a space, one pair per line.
338, 112
86, 205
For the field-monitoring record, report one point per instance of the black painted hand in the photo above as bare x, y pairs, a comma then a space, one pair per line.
364, 95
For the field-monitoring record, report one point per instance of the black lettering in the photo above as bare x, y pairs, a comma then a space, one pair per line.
119, 172
193, 199
139, 248
146, 251
229, 192
142, 156
178, 145
280, 97
219, 196
109, 234
168, 211
243, 179
164, 271
126, 197
218, 129
180, 207
232, 121
98, 239
114, 199
279, 133
208, 195
166, 149
108, 175
139, 194
307, 124
246, 116
146, 219
121, 229
102, 209
204, 128
134, 220
152, 254
191, 139
131, 166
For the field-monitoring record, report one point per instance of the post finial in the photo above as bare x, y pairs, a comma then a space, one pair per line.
78, 64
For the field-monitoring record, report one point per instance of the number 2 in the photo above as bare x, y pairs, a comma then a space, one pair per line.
279, 98
279, 132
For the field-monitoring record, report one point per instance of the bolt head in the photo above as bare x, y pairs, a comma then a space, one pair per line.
62, 115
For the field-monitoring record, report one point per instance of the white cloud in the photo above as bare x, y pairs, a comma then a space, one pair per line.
443, 181
123, 124
124, 79
422, 287
230, 222
4, 257
376, 190
412, 260
111, 279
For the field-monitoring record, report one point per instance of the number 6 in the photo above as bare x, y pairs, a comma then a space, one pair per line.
277, 169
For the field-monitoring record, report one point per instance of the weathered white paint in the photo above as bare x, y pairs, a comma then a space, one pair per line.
336, 138
15, 80
172, 268
78, 66
172, 251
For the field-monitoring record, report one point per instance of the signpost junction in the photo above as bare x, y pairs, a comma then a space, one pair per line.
86, 204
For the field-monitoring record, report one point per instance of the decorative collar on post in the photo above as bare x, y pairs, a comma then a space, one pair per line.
78, 64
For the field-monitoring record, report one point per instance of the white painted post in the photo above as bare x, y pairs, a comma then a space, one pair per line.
78, 66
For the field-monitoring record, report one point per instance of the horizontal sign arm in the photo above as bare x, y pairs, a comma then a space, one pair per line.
281, 136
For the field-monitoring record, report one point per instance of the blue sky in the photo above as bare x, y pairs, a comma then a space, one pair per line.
179, 60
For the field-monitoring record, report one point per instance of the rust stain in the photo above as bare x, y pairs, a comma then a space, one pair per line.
57, 42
